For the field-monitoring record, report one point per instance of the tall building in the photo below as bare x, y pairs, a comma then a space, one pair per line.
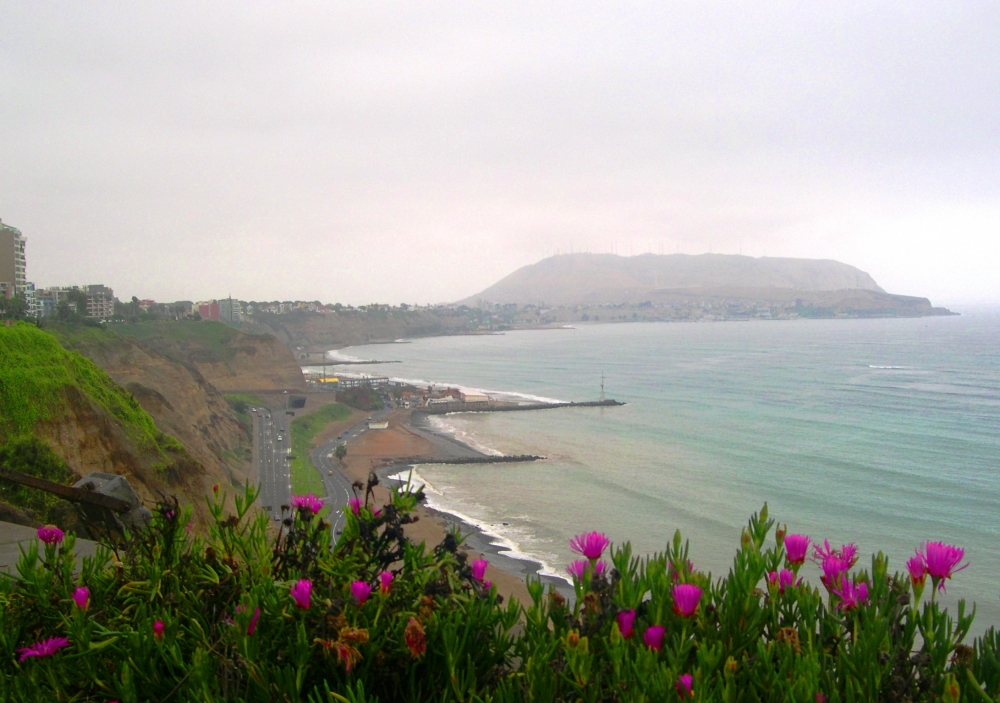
100, 301
230, 310
12, 262
209, 310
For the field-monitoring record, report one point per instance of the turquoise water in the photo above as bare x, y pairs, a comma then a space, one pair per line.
881, 432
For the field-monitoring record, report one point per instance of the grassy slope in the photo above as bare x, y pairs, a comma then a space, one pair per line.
213, 336
35, 371
305, 478
241, 403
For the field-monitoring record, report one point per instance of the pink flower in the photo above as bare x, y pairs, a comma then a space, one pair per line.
941, 560
591, 545
579, 567
355, 505
45, 648
851, 594
917, 568
487, 585
301, 593
309, 502
683, 685
626, 622
158, 629
796, 547
50, 534
479, 569
253, 621
833, 569
81, 597
385, 581
847, 553
360, 591
782, 579
686, 598
653, 636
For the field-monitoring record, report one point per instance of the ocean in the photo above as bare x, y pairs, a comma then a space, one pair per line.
882, 432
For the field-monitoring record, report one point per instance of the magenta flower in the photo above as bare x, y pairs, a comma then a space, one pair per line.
355, 505
309, 502
941, 560
253, 621
847, 553
487, 585
360, 591
591, 545
158, 628
686, 598
796, 548
653, 636
385, 581
579, 567
626, 622
301, 593
781, 579
851, 594
689, 566
683, 686
50, 534
44, 648
917, 568
81, 597
834, 568
479, 569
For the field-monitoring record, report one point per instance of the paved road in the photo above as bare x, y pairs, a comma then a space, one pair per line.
271, 443
338, 487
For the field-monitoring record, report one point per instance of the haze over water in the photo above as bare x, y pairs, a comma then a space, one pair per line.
881, 432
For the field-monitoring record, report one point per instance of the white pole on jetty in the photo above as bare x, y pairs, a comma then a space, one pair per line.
602, 386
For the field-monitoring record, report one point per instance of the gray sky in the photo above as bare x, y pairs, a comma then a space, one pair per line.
418, 152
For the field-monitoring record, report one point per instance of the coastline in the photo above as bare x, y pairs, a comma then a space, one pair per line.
413, 437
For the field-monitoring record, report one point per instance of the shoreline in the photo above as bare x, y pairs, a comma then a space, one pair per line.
379, 451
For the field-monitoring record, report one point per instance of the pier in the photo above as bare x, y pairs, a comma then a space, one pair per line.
516, 458
446, 408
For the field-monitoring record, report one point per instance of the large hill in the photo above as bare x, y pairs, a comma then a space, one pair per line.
608, 279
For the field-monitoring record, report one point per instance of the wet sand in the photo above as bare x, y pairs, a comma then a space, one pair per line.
405, 440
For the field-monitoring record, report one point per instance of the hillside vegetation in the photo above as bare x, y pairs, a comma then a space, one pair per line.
305, 478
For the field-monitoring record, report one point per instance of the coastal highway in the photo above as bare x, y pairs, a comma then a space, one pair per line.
338, 487
271, 442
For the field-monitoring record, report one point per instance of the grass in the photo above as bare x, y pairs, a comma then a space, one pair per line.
213, 336
305, 477
36, 376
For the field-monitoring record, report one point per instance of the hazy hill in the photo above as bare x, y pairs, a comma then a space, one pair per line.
608, 279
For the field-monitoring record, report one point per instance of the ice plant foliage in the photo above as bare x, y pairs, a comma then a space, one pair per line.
81, 596
686, 598
252, 625
44, 648
796, 548
590, 544
360, 591
942, 561
50, 534
479, 569
308, 502
301, 593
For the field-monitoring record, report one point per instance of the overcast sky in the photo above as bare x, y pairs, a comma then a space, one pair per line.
418, 152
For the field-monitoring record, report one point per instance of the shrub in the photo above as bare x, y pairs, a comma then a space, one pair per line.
238, 615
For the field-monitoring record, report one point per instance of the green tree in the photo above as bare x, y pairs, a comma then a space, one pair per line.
341, 451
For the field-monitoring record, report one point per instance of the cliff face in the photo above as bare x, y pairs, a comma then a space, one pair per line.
92, 423
177, 396
228, 359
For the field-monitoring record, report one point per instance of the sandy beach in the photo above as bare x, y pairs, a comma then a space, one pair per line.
407, 437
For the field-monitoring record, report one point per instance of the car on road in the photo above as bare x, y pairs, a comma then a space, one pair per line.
329, 473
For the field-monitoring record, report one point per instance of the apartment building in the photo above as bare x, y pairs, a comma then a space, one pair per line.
12, 262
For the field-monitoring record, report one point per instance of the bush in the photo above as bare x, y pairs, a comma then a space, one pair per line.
239, 616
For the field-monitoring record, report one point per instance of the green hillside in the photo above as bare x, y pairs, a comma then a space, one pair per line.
212, 336
36, 373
